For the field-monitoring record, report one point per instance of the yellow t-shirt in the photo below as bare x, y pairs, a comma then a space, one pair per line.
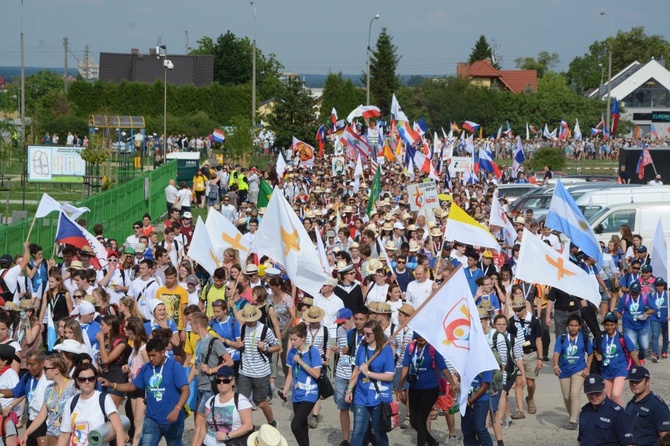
199, 183
190, 343
173, 300
210, 294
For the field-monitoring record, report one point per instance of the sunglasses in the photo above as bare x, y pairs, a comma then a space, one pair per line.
113, 260
136, 227
85, 379
635, 269
78, 296
518, 310
49, 368
224, 380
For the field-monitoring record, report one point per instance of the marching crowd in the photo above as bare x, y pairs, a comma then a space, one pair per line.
156, 332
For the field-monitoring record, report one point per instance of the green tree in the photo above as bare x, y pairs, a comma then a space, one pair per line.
341, 94
239, 143
481, 51
383, 65
293, 114
627, 47
545, 62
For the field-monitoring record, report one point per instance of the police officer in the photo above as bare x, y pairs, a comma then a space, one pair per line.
649, 414
613, 426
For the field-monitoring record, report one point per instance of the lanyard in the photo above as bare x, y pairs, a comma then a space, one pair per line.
609, 344
253, 338
296, 366
201, 344
160, 372
313, 334
417, 358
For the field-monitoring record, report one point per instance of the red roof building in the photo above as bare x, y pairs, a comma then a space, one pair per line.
484, 73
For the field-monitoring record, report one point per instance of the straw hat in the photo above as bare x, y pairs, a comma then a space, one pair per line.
390, 245
435, 232
380, 308
314, 314
76, 264
249, 313
27, 304
413, 246
348, 210
483, 312
518, 302
388, 226
406, 309
266, 435
307, 301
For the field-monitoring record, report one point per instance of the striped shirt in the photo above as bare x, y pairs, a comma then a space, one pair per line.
403, 339
315, 338
254, 363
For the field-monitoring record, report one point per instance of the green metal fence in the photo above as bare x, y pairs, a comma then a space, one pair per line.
116, 209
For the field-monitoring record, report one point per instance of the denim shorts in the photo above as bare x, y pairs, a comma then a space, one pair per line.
203, 397
396, 380
340, 391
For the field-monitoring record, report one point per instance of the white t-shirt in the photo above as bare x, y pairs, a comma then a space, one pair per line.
377, 293
87, 416
170, 193
184, 196
227, 418
331, 305
147, 291
9, 380
418, 292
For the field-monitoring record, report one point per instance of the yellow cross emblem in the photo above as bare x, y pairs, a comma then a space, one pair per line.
559, 265
290, 240
234, 242
214, 258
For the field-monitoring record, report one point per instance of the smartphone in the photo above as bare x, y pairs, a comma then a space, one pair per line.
281, 395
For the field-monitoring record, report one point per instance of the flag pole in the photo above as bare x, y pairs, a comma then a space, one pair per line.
402, 326
31, 228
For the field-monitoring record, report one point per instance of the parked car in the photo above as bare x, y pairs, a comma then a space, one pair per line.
513, 191
641, 217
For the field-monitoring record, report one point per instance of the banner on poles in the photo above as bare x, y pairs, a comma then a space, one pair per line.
423, 196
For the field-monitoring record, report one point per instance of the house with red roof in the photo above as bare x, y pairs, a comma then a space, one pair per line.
485, 74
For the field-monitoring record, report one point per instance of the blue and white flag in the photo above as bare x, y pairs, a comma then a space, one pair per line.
564, 216
51, 330
519, 157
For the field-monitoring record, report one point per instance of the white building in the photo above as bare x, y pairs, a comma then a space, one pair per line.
644, 90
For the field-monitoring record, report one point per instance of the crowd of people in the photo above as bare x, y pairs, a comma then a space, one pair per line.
154, 331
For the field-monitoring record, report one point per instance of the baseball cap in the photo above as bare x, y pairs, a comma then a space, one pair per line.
611, 317
83, 308
192, 279
642, 249
6, 261
343, 314
638, 373
330, 282
594, 383
226, 370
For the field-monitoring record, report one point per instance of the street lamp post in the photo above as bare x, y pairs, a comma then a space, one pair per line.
253, 74
609, 72
367, 87
167, 65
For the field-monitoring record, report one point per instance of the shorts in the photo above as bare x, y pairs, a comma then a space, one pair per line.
259, 386
199, 195
445, 402
510, 382
396, 380
341, 385
494, 401
203, 397
529, 364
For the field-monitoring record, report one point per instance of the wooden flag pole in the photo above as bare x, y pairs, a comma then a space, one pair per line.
31, 228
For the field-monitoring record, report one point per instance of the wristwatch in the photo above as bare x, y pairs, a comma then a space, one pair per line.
227, 437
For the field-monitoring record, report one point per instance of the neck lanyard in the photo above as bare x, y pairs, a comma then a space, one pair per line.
253, 338
314, 333
609, 343
526, 293
160, 372
296, 366
417, 358
201, 344
403, 340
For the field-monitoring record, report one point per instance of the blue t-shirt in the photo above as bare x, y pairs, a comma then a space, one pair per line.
366, 394
163, 389
572, 354
493, 298
25, 386
91, 330
660, 301
614, 358
228, 330
484, 377
151, 326
421, 364
632, 309
305, 387
472, 278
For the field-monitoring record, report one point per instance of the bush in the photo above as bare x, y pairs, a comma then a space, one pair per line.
548, 156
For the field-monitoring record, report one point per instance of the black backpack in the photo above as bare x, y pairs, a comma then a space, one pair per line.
5, 293
210, 348
510, 365
101, 401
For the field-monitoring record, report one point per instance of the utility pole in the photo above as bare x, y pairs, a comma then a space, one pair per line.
186, 46
87, 76
253, 75
65, 42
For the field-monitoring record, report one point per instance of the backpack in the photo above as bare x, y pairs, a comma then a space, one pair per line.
123, 274
644, 300
351, 344
264, 333
510, 366
3, 430
5, 293
101, 401
622, 342
210, 347
441, 380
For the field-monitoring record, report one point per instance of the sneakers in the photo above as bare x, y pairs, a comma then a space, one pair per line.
345, 443
313, 422
572, 426
406, 424
664, 355
641, 361
654, 357
274, 424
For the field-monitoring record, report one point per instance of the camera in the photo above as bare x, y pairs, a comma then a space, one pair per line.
412, 378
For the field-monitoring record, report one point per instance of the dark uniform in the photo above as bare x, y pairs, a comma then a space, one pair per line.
607, 424
649, 417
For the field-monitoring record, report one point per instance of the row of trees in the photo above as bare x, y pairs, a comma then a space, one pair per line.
227, 101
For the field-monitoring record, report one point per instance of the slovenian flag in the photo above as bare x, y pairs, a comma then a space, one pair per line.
68, 232
615, 115
470, 126
218, 135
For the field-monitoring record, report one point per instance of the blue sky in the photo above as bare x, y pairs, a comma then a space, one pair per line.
316, 36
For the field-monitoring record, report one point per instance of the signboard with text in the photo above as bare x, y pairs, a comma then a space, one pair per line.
56, 163
423, 196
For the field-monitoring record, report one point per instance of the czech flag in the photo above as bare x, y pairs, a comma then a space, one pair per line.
218, 135
615, 115
470, 126
68, 232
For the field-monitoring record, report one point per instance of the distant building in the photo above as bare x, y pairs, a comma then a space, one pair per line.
3, 83
148, 68
644, 91
485, 74
88, 69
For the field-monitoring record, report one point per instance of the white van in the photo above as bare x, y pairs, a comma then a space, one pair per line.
641, 217
591, 202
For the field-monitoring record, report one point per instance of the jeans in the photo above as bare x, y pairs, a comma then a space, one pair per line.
473, 425
152, 433
640, 338
420, 404
659, 329
364, 418
299, 427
